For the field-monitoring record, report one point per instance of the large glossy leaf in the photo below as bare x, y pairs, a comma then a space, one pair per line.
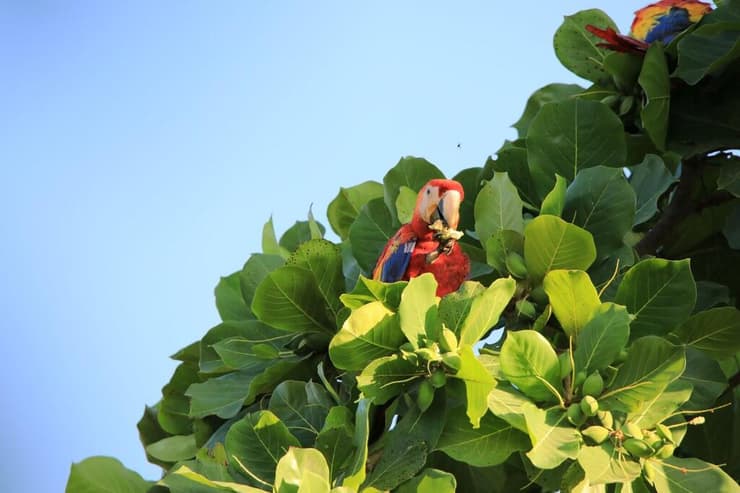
651, 365
715, 331
173, 410
601, 201
659, 293
345, 207
508, 403
254, 271
577, 49
302, 469
257, 442
174, 448
500, 245
488, 445
371, 331
302, 407
384, 378
335, 439
229, 300
554, 440
301, 232
289, 299
551, 243
478, 384
689, 476
370, 232
650, 179
486, 309
603, 464
455, 307
529, 362
707, 378
323, 260
256, 342
554, 201
186, 480
568, 136
498, 207
547, 94
250, 330
369, 290
661, 405
411, 172
428, 481
417, 312
602, 338
512, 159
573, 298
104, 475
656, 86
707, 50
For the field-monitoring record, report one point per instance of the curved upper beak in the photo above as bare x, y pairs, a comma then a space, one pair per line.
448, 208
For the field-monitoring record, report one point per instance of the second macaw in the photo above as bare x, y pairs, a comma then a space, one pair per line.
428, 243
660, 21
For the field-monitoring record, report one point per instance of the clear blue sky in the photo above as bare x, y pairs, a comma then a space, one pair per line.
143, 145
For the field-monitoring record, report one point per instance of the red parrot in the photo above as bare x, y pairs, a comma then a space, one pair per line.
428, 243
660, 21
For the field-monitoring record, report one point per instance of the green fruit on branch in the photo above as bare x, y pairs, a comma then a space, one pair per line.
637, 448
575, 415
565, 364
589, 406
526, 309
516, 266
438, 379
666, 451
593, 385
632, 430
452, 360
425, 396
598, 434
606, 419
448, 340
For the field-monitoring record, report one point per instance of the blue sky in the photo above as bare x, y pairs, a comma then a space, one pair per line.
144, 144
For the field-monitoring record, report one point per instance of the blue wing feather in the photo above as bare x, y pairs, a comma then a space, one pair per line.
670, 24
397, 262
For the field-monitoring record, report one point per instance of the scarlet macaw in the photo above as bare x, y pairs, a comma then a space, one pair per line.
428, 243
660, 21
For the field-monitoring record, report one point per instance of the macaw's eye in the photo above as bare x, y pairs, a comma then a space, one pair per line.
429, 191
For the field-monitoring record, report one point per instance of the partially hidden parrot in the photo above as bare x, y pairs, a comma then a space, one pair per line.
429, 242
660, 21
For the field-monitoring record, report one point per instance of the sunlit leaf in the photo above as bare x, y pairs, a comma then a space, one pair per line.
104, 474
302, 407
529, 362
486, 309
603, 464
498, 207
602, 338
302, 469
411, 172
715, 331
573, 298
345, 207
553, 438
551, 243
656, 85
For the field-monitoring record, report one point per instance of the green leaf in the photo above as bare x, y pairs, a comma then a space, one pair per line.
529, 362
185, 480
417, 312
713, 331
252, 330
573, 298
498, 207
256, 443
512, 159
370, 232
371, 331
661, 405
455, 307
500, 245
508, 403
384, 378
707, 378
624, 69
302, 407
405, 204
571, 135
369, 290
651, 365
690, 476
602, 338
323, 259
729, 176
301, 232
577, 49
356, 473
554, 440
601, 201
411, 172
173, 410
554, 201
659, 293
486, 309
104, 475
547, 94
429, 481
289, 299
489, 445
254, 271
255, 342
707, 50
174, 448
335, 439
270, 245
603, 464
656, 85
229, 300
302, 469
650, 180
551, 243
470, 179
478, 384
731, 228
345, 207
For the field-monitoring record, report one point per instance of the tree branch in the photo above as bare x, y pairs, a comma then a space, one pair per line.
679, 207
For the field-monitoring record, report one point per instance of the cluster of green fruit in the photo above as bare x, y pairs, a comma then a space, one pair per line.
437, 359
601, 424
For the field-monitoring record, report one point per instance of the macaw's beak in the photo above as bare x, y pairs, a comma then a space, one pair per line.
448, 209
